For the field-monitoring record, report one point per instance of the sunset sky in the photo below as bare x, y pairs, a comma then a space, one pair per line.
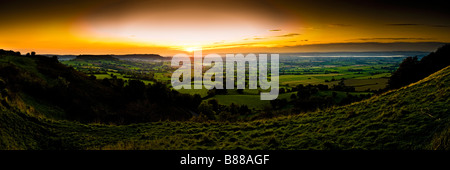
232, 26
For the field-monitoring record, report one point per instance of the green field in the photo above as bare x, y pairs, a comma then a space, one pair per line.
202, 92
367, 84
364, 74
294, 80
382, 75
252, 101
119, 76
293, 71
364, 83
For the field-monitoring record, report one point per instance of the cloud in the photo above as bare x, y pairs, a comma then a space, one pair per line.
235, 45
258, 38
297, 41
411, 24
339, 25
403, 24
288, 35
275, 30
394, 39
366, 46
441, 26
331, 47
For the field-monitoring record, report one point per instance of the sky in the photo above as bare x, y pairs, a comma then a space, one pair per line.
168, 27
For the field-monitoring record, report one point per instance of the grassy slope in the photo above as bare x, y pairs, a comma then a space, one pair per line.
413, 117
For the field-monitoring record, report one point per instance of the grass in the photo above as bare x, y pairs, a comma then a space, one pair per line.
294, 80
340, 95
366, 84
102, 76
382, 75
408, 118
415, 117
43, 109
119, 76
202, 92
25, 63
252, 101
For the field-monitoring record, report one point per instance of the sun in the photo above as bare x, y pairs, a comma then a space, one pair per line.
192, 49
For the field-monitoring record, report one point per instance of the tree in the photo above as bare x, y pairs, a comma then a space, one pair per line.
412, 70
92, 77
244, 110
406, 73
135, 89
293, 97
214, 103
282, 90
206, 109
226, 116
240, 91
234, 109
303, 93
211, 93
278, 103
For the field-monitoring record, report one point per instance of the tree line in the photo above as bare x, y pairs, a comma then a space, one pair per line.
412, 69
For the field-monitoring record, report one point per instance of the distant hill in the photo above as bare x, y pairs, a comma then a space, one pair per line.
107, 57
96, 57
122, 57
63, 57
414, 117
357, 54
141, 57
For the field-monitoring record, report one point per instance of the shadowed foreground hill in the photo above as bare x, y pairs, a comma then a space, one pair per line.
412, 117
50, 89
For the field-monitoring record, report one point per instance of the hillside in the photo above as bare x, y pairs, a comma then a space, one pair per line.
122, 57
141, 57
96, 57
58, 92
412, 117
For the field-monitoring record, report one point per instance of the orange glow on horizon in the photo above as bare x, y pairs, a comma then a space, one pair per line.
167, 28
